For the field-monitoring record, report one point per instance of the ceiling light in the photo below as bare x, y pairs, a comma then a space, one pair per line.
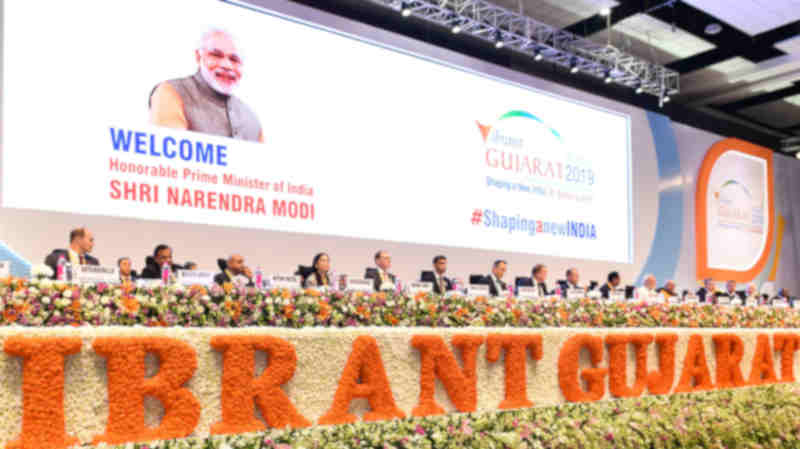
605, 12
639, 90
797, 155
573, 66
538, 55
608, 79
666, 98
713, 28
405, 9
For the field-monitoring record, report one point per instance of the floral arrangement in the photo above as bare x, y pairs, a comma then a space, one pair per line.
762, 417
42, 302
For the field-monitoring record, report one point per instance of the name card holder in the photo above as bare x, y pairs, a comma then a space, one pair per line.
476, 290
290, 281
780, 303
576, 294
420, 287
93, 274
358, 284
5, 268
674, 299
148, 283
736, 301
723, 300
528, 292
617, 295
188, 278
691, 299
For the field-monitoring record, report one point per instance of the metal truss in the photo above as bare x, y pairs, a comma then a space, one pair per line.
505, 28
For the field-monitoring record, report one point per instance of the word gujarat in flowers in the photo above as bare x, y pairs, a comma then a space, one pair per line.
69, 385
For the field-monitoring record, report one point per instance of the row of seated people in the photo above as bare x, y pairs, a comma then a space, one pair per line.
319, 274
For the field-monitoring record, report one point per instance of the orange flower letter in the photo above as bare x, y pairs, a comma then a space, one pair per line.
127, 387
240, 390
787, 344
660, 382
763, 370
695, 368
42, 391
364, 363
437, 361
618, 363
730, 350
516, 370
568, 369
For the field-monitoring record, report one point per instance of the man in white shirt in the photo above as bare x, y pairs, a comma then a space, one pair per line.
647, 292
496, 285
751, 296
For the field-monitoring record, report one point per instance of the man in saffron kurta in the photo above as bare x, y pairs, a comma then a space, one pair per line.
204, 102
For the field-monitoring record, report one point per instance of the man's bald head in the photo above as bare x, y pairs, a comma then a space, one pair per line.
220, 60
236, 264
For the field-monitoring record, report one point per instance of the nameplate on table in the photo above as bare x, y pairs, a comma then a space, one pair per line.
420, 287
359, 284
476, 290
723, 300
736, 301
149, 283
195, 277
528, 292
674, 299
288, 281
780, 303
575, 294
617, 295
5, 268
94, 274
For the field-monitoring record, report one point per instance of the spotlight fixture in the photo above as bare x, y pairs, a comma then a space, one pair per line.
573, 67
456, 26
537, 55
608, 79
605, 12
405, 9
498, 39
666, 98
639, 90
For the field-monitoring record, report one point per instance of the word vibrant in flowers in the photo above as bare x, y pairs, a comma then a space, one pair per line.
208, 381
47, 303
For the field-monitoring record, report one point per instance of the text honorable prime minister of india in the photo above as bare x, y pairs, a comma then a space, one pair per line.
204, 102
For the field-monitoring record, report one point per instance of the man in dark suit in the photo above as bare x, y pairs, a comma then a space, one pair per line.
161, 255
126, 273
441, 284
380, 274
495, 279
708, 292
613, 281
81, 242
232, 268
539, 275
573, 278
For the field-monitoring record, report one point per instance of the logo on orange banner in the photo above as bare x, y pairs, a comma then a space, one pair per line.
734, 211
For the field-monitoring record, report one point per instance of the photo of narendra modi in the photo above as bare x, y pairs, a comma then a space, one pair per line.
205, 102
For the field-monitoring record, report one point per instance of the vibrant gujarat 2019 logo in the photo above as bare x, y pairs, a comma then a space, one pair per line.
518, 141
737, 208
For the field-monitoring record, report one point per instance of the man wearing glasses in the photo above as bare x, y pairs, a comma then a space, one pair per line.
204, 102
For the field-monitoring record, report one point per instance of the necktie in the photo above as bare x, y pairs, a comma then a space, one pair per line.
441, 284
83, 259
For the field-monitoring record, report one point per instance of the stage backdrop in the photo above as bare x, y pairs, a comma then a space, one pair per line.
350, 139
